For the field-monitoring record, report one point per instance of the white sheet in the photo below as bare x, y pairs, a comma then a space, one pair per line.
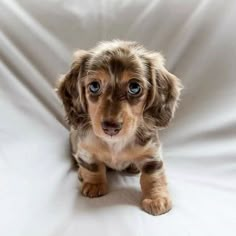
39, 190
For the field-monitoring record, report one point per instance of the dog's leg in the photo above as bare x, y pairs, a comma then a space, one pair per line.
156, 198
94, 179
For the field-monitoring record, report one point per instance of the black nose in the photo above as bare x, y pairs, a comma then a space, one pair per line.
111, 128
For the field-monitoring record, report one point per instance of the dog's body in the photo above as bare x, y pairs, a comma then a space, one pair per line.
117, 156
116, 97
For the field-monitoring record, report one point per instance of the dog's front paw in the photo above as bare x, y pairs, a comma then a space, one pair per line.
94, 190
157, 206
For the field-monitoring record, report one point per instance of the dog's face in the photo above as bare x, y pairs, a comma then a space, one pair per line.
117, 88
115, 101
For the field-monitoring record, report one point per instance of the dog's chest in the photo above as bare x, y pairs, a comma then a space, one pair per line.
116, 156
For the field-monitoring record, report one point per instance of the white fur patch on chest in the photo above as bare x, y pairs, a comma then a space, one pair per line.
115, 154
116, 160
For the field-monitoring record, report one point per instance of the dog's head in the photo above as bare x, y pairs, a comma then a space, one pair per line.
116, 87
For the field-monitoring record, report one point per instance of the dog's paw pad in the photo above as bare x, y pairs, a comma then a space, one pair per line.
157, 206
94, 190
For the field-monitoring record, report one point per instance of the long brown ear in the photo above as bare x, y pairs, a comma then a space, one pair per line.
164, 92
71, 91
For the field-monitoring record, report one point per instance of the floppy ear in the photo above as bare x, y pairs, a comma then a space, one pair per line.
164, 92
71, 90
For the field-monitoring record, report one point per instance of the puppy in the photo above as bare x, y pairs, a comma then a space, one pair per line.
116, 97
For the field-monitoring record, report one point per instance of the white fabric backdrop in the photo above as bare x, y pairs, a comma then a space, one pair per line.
39, 190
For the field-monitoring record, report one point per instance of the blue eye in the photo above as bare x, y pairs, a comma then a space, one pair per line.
94, 87
134, 88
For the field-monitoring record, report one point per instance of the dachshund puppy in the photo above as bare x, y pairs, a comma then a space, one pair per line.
116, 97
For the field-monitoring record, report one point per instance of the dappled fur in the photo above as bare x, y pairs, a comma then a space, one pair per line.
114, 64
71, 92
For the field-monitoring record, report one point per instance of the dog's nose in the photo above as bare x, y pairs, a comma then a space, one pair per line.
111, 128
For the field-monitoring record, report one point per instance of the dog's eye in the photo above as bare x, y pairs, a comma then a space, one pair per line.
134, 88
94, 87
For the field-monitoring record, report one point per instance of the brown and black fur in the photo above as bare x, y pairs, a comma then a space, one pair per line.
136, 147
